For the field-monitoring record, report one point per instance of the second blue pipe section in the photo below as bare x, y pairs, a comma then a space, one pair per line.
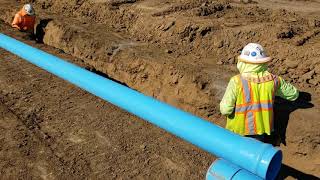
248, 154
224, 170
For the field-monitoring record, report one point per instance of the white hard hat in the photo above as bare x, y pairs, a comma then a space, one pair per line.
254, 53
29, 9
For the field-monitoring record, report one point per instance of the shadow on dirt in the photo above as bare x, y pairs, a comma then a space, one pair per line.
106, 76
40, 30
282, 110
287, 171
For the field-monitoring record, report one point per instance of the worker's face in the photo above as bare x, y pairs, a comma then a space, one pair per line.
24, 13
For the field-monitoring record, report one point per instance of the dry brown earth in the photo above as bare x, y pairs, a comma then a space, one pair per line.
182, 52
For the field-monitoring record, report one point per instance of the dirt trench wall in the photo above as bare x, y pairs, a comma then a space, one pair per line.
147, 68
213, 30
139, 66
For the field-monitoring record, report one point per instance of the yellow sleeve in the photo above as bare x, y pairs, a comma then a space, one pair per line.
287, 91
228, 101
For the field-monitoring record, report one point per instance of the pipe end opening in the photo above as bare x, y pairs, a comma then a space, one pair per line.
274, 166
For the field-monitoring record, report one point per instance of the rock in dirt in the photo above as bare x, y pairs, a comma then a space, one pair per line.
168, 51
315, 81
283, 70
219, 44
167, 26
206, 10
219, 62
303, 68
307, 76
291, 63
286, 34
315, 23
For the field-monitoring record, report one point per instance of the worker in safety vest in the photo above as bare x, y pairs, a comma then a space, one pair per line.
249, 97
25, 19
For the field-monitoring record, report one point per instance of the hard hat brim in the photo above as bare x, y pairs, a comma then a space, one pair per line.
31, 13
255, 61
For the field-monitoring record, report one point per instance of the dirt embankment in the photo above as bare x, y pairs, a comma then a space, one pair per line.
211, 31
184, 52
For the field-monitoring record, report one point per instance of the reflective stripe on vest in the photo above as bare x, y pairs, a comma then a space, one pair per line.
249, 107
254, 107
250, 121
276, 84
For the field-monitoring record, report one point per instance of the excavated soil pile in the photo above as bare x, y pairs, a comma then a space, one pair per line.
183, 52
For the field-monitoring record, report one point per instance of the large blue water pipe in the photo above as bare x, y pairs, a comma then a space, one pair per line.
224, 170
261, 159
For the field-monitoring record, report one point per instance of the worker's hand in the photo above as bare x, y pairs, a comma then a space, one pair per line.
16, 27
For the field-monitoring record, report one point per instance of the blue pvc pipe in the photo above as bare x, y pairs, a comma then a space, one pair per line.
258, 158
224, 170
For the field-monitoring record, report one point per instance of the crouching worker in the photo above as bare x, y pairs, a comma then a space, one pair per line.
25, 19
249, 97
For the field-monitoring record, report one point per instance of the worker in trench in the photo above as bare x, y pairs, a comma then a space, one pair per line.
25, 19
249, 98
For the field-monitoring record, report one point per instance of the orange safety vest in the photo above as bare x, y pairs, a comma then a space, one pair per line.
253, 113
24, 21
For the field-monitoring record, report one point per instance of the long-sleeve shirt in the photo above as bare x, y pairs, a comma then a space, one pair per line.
24, 22
285, 90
